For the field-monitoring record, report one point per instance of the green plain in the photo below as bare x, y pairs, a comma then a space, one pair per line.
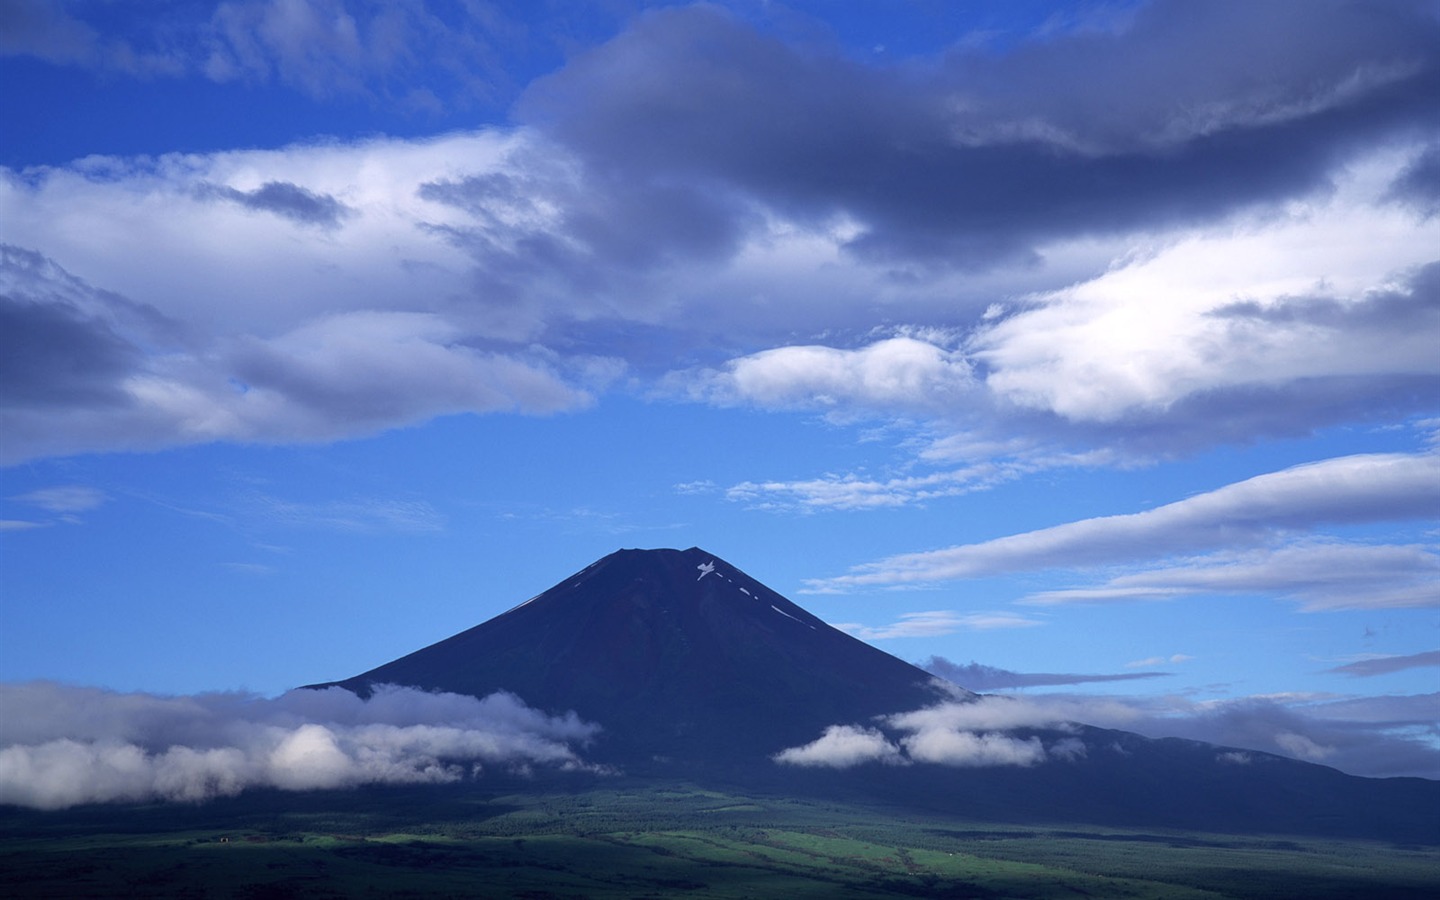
639, 839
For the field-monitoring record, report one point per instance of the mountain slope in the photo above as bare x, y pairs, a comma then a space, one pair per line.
678, 655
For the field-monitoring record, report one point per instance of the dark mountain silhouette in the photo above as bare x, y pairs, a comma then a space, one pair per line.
694, 669
681, 657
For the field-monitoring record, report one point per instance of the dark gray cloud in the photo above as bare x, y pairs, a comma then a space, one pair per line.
550, 249
64, 343
1192, 112
54, 354
980, 678
283, 199
1385, 665
1415, 307
1419, 185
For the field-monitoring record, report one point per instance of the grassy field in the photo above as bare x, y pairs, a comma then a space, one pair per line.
642, 839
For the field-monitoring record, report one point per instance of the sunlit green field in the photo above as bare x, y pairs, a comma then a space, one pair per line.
649, 840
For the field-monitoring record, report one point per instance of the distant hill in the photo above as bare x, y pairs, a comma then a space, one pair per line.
695, 669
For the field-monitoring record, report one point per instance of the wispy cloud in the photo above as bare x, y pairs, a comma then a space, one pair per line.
372, 514
319, 49
1317, 574
247, 568
61, 746
937, 622
68, 498
1346, 490
1150, 661
980, 678
1385, 665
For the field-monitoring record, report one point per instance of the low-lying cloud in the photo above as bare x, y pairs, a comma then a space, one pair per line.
1376, 736
964, 734
1369, 736
62, 746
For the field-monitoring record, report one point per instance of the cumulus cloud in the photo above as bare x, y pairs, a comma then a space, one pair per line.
980, 157
891, 374
1344, 490
61, 745
1043, 219
843, 746
968, 734
967, 749
331, 377
1164, 350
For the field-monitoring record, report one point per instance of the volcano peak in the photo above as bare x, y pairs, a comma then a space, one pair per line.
678, 654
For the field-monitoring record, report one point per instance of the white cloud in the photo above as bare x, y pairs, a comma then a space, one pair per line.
894, 374
1372, 736
1149, 661
1154, 330
1318, 574
61, 746
937, 622
963, 734
64, 499
967, 749
1351, 489
841, 747
358, 515
1003, 713
988, 463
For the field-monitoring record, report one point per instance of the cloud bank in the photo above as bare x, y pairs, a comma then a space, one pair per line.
1380, 736
970, 734
63, 746
727, 215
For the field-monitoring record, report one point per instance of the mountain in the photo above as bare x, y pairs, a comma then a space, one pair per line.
694, 669
679, 655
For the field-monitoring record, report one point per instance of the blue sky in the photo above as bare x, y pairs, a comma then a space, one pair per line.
1088, 347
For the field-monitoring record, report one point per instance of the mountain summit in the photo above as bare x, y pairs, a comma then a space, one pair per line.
678, 655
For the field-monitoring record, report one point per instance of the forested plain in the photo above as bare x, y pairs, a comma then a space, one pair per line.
614, 837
